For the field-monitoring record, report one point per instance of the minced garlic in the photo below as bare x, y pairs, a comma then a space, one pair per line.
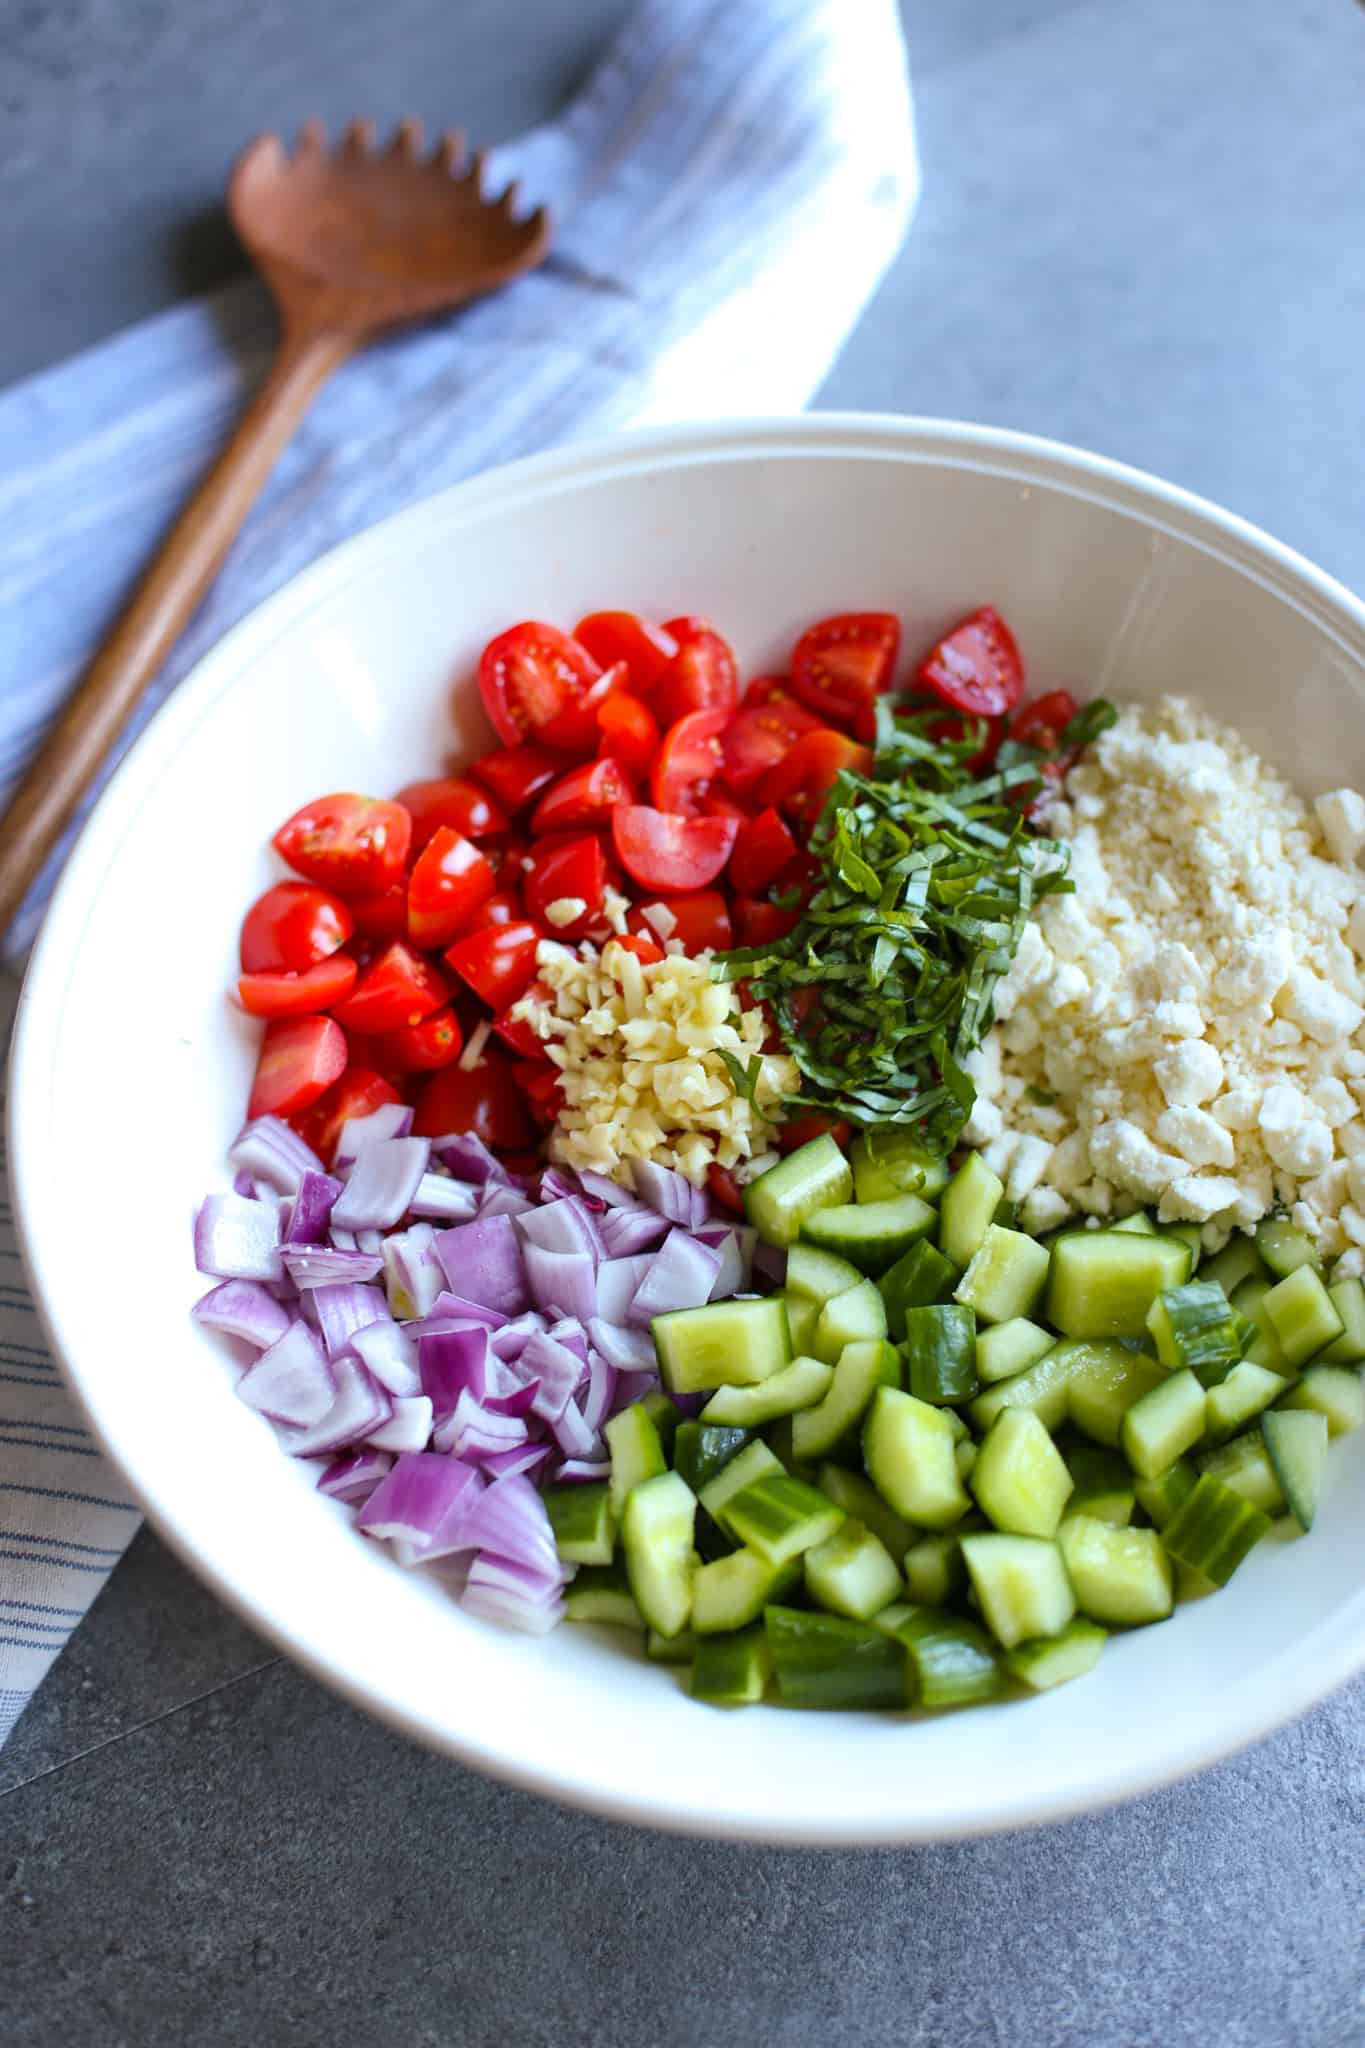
640, 1053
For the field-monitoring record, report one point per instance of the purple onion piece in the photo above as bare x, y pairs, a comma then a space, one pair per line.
453, 1362
625, 1232
575, 1471
311, 1209
274, 1153
563, 1225
499, 1590
422, 1494
573, 1435
483, 1261
343, 1308
603, 1190
468, 1158
361, 1406
449, 1310
408, 1428
681, 1275
389, 1353
244, 1309
238, 1239
438, 1195
561, 1283
770, 1264
569, 1332
382, 1183
353, 1475
528, 1458
625, 1350
618, 1283
501, 1201
413, 1276
293, 1382
319, 1265
672, 1194
471, 1430
509, 1341
509, 1518
558, 1370
358, 1133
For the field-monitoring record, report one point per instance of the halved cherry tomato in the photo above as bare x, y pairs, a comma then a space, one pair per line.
575, 730
583, 797
516, 1031
356, 1094
725, 1189
506, 854
762, 850
702, 676
516, 774
382, 916
353, 844
529, 675
768, 690
701, 920
1042, 722
977, 667
687, 626
291, 928
452, 801
300, 1057
661, 851
451, 879
841, 664
642, 944
800, 783
419, 1048
688, 760
298, 995
799, 1130
720, 803
498, 963
630, 731
483, 1099
503, 907
646, 649
397, 988
761, 736
539, 1082
956, 728
564, 871
759, 924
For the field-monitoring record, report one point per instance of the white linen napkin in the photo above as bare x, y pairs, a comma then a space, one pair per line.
728, 190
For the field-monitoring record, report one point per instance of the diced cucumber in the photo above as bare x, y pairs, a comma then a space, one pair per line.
1053, 1660
1247, 1389
656, 1532
1332, 1391
1008, 1348
725, 1344
1019, 1477
781, 1517
1101, 1394
887, 1162
1103, 1485
849, 1319
778, 1437
970, 1201
1239, 1260
1103, 1282
1303, 1315
951, 1661
583, 1521
1191, 1237
908, 1446
665, 1415
1196, 1327
755, 1461
818, 1276
815, 1176
1163, 1424
1296, 1445
802, 1316
1139, 1224
964, 1457
1245, 1468
862, 1368
859, 1498
732, 1670
1348, 1299
1284, 1248
1021, 1585
1120, 1576
852, 1572
679, 1649
821, 1660
1159, 1497
1006, 1277
702, 1449
940, 1352
1214, 1530
732, 1591
636, 1453
1249, 1302
934, 1571
873, 1235
602, 1593
798, 1385
921, 1278
1045, 1387
1190, 1584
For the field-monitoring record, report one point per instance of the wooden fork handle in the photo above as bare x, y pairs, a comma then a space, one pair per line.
157, 614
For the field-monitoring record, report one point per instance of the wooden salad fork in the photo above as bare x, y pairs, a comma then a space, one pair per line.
351, 242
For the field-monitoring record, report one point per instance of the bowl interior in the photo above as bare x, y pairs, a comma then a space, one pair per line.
131, 1069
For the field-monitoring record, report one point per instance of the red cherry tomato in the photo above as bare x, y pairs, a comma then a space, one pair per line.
583, 797
498, 963
719, 803
840, 665
483, 1099
516, 1031
688, 761
539, 1082
300, 1057
724, 1188
382, 916
516, 774
768, 690
1042, 722
575, 731
687, 626
760, 737
646, 649
397, 988
630, 732
529, 675
419, 1048
762, 850
976, 668
956, 728
447, 885
452, 801
702, 676
760, 924
298, 995
291, 928
503, 907
642, 944
701, 920
356, 1094
353, 844
799, 1130
661, 851
800, 783
562, 871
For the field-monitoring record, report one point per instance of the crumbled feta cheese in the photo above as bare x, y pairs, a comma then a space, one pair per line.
1341, 814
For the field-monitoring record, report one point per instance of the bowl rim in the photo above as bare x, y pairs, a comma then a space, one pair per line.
1288, 1685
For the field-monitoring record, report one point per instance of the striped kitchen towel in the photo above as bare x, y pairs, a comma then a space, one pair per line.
728, 190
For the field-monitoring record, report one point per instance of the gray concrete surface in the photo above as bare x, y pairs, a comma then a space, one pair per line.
1143, 229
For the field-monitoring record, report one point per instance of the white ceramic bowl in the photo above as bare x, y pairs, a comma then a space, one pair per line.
130, 1069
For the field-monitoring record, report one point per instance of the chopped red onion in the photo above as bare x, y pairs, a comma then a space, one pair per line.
671, 1194
247, 1184
516, 1399
358, 1133
735, 1257
509, 1519
353, 1475
342, 1308
603, 1190
361, 1407
528, 1458
451, 1361
572, 1433
344, 1240
483, 1260
500, 1201
633, 1386
576, 1471
470, 1159
627, 1231
498, 1590
408, 1428
625, 1350
411, 1270
618, 1283
565, 1225
561, 1283
681, 1275
438, 1195
770, 1264
471, 1429
510, 1340
318, 1265
450, 1311
569, 1332
558, 1370
422, 1494
244, 1309
554, 1184
270, 1150
293, 1382
382, 1183
390, 1354
238, 1239
311, 1209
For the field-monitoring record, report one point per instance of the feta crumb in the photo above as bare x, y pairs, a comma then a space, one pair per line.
1341, 815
